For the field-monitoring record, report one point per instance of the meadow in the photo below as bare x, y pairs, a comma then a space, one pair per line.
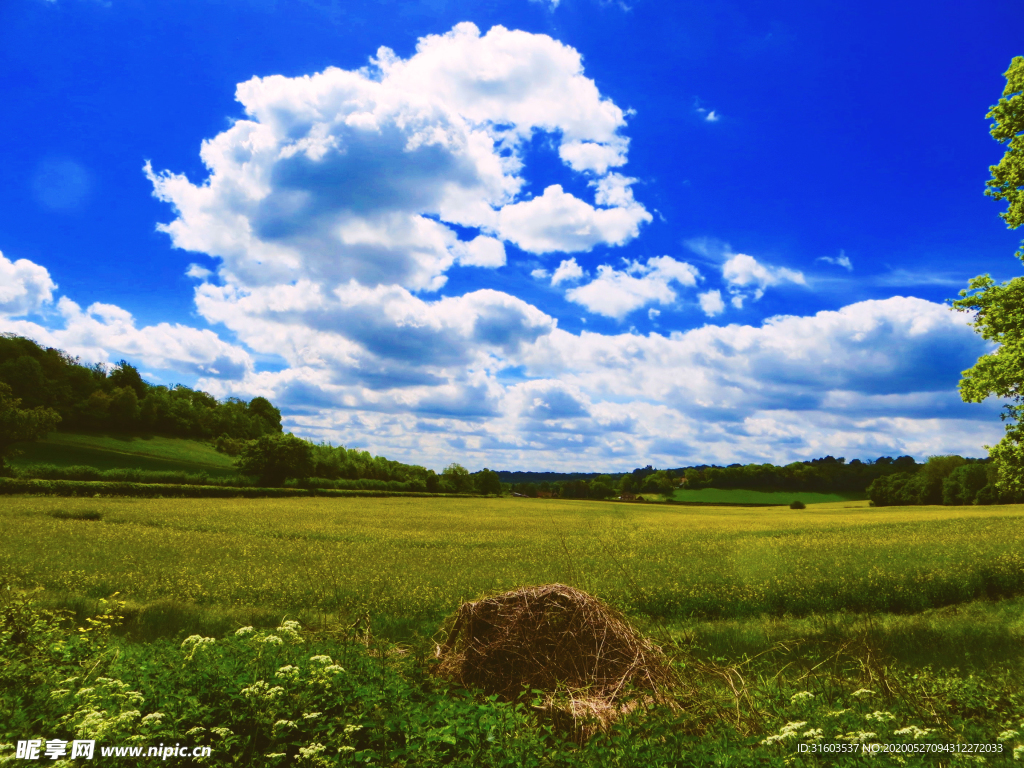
409, 562
115, 451
839, 621
743, 496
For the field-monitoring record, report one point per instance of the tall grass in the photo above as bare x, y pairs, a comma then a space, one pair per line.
408, 562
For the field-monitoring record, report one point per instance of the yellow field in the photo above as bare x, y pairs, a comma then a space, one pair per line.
415, 559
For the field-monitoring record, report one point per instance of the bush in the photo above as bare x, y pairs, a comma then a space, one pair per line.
275, 458
798, 505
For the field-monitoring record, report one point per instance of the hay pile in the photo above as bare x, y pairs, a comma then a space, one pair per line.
580, 653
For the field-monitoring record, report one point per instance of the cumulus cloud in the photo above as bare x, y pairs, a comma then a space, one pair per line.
747, 277
616, 293
25, 287
104, 330
481, 251
559, 221
711, 303
357, 175
568, 270
198, 272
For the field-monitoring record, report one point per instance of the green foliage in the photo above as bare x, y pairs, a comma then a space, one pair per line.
289, 695
487, 482
91, 397
998, 308
825, 475
456, 479
272, 459
1007, 182
18, 425
797, 505
184, 486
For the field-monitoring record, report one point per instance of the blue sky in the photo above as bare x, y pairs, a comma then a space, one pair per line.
521, 234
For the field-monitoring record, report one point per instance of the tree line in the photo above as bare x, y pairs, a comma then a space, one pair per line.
98, 397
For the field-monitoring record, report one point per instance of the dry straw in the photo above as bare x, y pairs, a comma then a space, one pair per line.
582, 655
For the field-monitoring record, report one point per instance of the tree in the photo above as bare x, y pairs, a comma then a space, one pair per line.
272, 459
999, 308
456, 479
487, 482
19, 424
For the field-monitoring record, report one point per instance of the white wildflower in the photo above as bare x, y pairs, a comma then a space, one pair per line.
312, 750
321, 659
244, 631
802, 696
153, 717
913, 731
1007, 735
290, 630
815, 734
880, 717
196, 640
311, 715
862, 692
272, 640
287, 672
284, 724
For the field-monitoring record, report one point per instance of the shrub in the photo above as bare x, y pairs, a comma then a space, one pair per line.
798, 505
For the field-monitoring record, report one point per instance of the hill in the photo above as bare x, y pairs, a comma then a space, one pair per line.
123, 451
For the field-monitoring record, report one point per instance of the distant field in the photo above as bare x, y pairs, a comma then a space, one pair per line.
409, 562
720, 496
125, 452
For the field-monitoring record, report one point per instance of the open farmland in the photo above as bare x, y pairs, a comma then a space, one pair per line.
840, 623
409, 562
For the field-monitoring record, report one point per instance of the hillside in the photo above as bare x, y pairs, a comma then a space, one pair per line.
121, 451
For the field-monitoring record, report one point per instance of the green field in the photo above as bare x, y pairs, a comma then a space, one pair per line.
838, 622
110, 451
740, 496
411, 561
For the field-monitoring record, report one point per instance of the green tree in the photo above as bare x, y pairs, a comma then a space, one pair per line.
487, 482
999, 307
456, 479
19, 425
272, 459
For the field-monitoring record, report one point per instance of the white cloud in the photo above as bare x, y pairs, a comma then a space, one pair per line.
711, 303
616, 293
748, 277
25, 287
104, 331
842, 260
481, 251
559, 221
348, 175
539, 274
708, 115
591, 156
567, 270
198, 271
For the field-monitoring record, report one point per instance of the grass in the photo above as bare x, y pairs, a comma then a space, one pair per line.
739, 496
408, 562
837, 623
111, 451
